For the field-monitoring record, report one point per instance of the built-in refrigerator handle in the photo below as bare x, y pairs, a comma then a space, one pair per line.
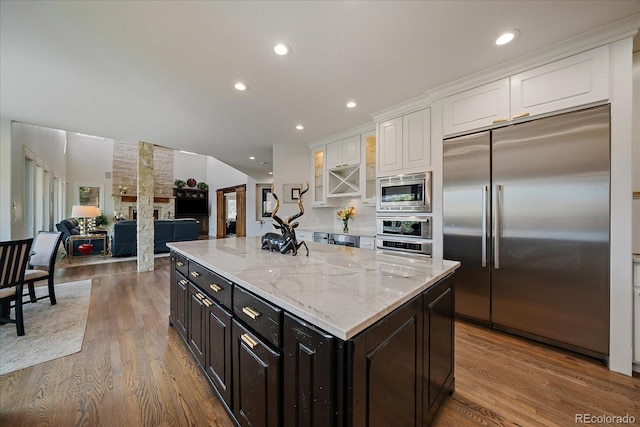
496, 233
485, 236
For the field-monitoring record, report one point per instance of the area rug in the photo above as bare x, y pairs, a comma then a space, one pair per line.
51, 331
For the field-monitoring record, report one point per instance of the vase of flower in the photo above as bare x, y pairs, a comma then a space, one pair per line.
345, 215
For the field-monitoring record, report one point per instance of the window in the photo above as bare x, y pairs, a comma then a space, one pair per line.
89, 195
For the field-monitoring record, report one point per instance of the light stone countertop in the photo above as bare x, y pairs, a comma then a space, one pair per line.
339, 289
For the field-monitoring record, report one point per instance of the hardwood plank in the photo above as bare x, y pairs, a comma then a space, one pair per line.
135, 370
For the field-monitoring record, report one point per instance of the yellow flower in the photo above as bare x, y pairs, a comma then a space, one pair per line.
347, 213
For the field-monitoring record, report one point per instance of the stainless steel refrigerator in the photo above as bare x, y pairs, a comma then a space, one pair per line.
526, 211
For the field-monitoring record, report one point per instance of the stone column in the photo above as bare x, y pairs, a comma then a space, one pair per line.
145, 224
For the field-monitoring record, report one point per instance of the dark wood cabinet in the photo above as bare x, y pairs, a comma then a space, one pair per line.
312, 376
193, 203
218, 349
387, 370
197, 324
179, 304
271, 368
256, 380
439, 316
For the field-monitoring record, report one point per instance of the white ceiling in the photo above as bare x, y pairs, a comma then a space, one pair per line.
163, 72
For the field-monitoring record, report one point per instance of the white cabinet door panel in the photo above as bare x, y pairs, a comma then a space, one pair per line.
351, 151
578, 80
476, 108
390, 146
416, 145
334, 154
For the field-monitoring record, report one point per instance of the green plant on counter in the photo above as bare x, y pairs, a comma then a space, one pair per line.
179, 183
203, 185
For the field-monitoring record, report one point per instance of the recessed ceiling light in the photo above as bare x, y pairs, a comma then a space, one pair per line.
270, 173
507, 37
252, 157
241, 86
282, 49
351, 104
299, 127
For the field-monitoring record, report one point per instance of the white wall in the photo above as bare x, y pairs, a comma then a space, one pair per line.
636, 153
5, 179
187, 166
621, 285
292, 165
47, 145
89, 161
221, 175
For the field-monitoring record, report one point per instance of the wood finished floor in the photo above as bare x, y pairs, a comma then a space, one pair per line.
134, 370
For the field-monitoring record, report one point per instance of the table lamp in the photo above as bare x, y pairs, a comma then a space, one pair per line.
82, 213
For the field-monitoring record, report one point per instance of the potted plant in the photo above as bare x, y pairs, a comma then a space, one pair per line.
203, 185
101, 220
179, 183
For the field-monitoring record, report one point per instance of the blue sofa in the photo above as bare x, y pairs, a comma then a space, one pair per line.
70, 227
124, 239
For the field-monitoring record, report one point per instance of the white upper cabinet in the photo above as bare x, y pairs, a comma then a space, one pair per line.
578, 80
404, 143
343, 153
390, 145
343, 169
476, 108
368, 172
416, 140
318, 176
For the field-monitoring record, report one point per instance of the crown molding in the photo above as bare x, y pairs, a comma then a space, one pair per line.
367, 127
619, 30
409, 106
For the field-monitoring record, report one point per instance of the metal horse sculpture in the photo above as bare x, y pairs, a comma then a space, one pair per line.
286, 241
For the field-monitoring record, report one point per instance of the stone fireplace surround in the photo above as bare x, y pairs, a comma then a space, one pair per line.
125, 175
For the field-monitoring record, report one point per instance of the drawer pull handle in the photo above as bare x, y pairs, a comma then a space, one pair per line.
215, 287
200, 296
251, 312
248, 340
499, 120
525, 114
179, 263
183, 282
207, 302
195, 274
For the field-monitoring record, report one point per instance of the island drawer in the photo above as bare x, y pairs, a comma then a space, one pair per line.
215, 286
182, 265
258, 314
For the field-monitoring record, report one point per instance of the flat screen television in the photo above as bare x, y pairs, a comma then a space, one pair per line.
189, 206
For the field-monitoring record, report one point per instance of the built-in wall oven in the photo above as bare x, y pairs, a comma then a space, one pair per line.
405, 193
406, 234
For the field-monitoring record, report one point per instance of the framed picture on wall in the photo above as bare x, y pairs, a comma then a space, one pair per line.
264, 201
291, 192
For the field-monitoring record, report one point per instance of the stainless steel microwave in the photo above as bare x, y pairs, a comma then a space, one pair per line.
405, 193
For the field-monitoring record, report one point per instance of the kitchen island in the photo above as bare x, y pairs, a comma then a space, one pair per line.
344, 336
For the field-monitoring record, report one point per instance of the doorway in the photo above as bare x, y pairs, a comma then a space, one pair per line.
231, 211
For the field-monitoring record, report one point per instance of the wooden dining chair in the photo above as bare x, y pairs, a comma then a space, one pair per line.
14, 256
42, 264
